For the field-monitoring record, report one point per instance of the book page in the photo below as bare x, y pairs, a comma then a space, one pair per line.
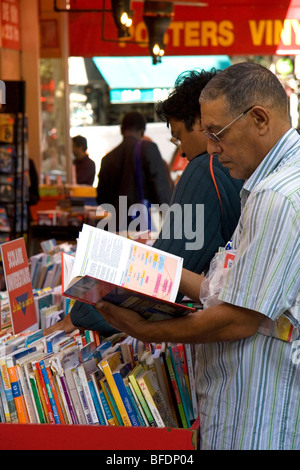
67, 262
124, 262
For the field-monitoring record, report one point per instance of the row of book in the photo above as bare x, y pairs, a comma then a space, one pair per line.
46, 278
85, 379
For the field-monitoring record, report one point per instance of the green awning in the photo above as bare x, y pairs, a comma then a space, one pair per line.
135, 79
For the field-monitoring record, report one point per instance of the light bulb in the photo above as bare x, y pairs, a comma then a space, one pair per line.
156, 49
125, 20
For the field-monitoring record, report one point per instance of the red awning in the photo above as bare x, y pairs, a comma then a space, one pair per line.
232, 27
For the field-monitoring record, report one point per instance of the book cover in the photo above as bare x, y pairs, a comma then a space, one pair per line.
82, 397
43, 392
111, 402
61, 397
108, 365
130, 274
69, 406
26, 364
36, 398
3, 401
17, 391
149, 387
137, 406
50, 392
181, 384
190, 366
107, 410
98, 406
87, 393
164, 383
58, 395
127, 351
8, 392
64, 366
175, 389
133, 380
183, 361
117, 375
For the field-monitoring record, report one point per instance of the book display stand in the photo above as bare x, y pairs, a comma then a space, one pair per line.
14, 165
83, 391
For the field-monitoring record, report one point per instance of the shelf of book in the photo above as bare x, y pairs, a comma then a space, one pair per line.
80, 437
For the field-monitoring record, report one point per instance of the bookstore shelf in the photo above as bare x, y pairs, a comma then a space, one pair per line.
81, 437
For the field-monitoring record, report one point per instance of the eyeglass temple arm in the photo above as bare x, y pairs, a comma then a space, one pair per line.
241, 115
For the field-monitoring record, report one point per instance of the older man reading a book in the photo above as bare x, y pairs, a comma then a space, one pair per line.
246, 344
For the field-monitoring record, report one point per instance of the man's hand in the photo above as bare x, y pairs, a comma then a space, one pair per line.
123, 319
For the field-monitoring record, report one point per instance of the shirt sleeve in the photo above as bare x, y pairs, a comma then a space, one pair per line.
265, 276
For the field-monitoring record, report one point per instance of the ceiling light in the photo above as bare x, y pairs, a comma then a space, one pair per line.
122, 16
157, 17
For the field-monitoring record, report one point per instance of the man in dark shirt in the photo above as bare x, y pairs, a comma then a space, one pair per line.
118, 175
85, 166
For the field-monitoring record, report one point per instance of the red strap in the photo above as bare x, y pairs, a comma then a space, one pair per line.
214, 180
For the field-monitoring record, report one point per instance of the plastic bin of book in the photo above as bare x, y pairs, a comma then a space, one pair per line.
78, 437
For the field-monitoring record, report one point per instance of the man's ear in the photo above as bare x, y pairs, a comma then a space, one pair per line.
261, 118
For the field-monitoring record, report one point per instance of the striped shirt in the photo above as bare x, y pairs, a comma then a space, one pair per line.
249, 390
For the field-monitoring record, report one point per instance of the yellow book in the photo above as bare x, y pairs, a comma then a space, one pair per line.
114, 420
108, 365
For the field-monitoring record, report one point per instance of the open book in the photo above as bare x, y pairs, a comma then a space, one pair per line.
124, 272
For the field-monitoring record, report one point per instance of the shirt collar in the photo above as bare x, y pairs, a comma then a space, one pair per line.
281, 152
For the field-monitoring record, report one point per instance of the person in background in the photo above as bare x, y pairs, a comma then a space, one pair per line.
204, 181
84, 165
247, 341
118, 177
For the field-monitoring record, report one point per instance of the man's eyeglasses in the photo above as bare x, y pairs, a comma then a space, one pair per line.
214, 137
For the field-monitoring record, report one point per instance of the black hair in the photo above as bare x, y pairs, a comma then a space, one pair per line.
134, 121
80, 141
183, 102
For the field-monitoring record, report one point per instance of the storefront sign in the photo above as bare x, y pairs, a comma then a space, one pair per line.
239, 29
10, 24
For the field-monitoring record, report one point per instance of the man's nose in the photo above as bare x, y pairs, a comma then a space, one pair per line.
213, 147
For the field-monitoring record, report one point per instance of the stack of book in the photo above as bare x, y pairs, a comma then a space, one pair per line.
45, 267
84, 379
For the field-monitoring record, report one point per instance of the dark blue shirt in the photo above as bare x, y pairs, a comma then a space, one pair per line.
196, 186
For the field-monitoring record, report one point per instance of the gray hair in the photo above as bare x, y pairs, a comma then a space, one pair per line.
246, 84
